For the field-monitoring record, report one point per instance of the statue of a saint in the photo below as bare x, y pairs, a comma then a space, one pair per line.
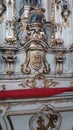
36, 15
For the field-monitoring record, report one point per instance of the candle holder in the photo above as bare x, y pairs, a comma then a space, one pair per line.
65, 11
65, 14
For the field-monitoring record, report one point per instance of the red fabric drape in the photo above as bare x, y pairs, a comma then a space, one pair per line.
31, 93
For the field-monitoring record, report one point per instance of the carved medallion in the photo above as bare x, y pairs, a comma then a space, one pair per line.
36, 61
45, 121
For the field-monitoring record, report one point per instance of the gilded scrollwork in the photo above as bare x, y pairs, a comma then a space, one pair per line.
35, 56
45, 120
53, 118
60, 57
37, 70
25, 68
39, 78
41, 125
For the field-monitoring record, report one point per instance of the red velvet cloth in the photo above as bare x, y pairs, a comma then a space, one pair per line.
31, 93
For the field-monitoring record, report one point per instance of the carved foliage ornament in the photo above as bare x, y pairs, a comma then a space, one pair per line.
39, 78
45, 121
